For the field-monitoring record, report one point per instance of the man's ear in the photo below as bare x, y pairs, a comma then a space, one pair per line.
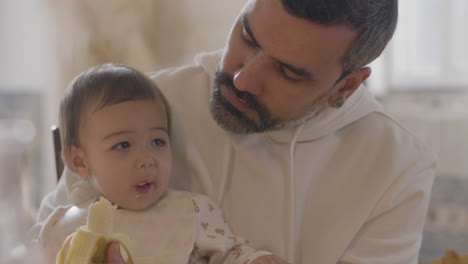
349, 85
76, 160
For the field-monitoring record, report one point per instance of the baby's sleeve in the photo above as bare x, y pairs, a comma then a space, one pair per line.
48, 239
215, 241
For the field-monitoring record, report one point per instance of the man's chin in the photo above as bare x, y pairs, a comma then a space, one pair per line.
231, 121
235, 121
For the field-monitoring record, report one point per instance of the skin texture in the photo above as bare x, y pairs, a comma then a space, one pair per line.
278, 72
125, 145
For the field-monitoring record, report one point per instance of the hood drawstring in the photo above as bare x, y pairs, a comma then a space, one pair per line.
292, 198
226, 171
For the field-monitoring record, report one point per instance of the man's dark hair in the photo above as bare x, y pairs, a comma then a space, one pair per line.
374, 20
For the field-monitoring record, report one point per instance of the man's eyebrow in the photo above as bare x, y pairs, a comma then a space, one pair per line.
296, 70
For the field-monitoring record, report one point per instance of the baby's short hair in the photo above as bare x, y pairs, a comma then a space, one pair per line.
100, 86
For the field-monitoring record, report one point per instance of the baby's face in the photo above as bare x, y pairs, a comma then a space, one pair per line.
128, 152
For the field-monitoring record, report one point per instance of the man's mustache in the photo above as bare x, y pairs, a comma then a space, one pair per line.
223, 78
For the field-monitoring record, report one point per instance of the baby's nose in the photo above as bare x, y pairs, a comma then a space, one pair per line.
146, 161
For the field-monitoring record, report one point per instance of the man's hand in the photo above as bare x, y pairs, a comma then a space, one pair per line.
269, 259
113, 254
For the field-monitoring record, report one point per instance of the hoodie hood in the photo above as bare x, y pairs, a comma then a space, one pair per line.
209, 62
358, 105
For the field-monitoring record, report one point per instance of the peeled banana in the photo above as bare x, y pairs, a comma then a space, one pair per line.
451, 257
89, 243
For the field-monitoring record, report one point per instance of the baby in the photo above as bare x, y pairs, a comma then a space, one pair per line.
115, 128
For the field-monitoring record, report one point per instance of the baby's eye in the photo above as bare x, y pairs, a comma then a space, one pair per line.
121, 145
158, 142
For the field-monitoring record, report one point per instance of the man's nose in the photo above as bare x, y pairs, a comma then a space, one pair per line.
250, 76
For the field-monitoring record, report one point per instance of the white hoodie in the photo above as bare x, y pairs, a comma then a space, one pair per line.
351, 185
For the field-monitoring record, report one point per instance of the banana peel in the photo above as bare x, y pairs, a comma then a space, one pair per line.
451, 257
89, 243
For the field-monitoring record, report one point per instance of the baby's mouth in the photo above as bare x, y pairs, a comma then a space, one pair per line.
144, 187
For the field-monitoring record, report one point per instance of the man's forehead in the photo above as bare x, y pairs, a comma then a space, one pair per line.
294, 40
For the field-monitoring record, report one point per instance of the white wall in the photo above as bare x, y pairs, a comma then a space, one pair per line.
25, 62
200, 25
26, 67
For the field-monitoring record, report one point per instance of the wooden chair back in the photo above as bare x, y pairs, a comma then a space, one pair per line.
57, 151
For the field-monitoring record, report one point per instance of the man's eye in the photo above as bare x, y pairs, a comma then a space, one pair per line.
158, 142
121, 145
246, 38
289, 75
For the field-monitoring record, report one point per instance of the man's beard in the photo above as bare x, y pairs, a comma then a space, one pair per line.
231, 119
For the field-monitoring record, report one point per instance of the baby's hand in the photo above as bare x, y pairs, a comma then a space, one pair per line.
269, 259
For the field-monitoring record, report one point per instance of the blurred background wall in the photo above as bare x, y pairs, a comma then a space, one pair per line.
422, 78
45, 43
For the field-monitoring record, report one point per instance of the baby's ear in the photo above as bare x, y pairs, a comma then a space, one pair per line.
75, 159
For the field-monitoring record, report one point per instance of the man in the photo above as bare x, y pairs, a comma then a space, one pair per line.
300, 156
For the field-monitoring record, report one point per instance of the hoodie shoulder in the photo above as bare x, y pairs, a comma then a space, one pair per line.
204, 64
380, 129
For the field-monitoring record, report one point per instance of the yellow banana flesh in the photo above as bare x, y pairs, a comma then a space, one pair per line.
89, 243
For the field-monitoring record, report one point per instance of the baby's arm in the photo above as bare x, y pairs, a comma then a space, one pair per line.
215, 240
51, 233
